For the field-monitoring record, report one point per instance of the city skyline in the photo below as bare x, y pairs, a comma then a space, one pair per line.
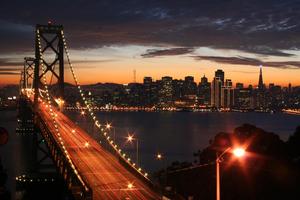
254, 79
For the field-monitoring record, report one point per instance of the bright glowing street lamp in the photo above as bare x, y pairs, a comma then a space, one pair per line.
86, 144
130, 139
129, 186
161, 158
60, 102
158, 156
238, 152
108, 126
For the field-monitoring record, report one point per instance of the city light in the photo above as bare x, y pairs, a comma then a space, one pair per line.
108, 126
239, 152
159, 156
130, 186
59, 101
86, 144
130, 138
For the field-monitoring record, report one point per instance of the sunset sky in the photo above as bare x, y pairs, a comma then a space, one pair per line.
109, 39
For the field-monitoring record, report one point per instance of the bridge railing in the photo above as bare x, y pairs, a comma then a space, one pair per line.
133, 169
79, 187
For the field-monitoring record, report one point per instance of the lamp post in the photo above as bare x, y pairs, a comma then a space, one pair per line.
160, 157
60, 102
130, 138
238, 152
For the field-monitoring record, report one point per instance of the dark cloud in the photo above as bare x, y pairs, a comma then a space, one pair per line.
10, 69
263, 27
231, 60
264, 50
9, 64
9, 73
167, 52
7, 67
250, 61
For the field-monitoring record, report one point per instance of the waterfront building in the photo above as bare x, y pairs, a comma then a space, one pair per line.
227, 95
166, 91
216, 86
239, 85
204, 92
220, 74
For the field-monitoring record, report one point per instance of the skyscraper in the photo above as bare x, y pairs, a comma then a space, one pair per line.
204, 91
147, 90
204, 80
216, 92
227, 94
220, 73
239, 85
260, 81
189, 87
260, 97
166, 90
147, 80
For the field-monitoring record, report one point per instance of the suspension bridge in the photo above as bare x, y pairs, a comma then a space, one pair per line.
90, 170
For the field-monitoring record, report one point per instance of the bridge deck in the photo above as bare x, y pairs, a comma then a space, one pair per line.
98, 167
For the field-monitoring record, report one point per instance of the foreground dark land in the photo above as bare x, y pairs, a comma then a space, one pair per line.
269, 170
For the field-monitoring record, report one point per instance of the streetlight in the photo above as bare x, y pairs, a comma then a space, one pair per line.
60, 102
130, 139
238, 152
129, 186
158, 156
163, 160
86, 144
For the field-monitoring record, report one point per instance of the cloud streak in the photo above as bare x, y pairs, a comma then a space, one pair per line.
250, 61
9, 73
7, 63
167, 52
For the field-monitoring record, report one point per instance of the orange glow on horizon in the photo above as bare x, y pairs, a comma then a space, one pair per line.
121, 72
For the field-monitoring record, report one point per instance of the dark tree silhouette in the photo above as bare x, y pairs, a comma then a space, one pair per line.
4, 193
294, 146
266, 172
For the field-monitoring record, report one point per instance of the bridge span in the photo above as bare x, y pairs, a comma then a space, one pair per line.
91, 170
103, 174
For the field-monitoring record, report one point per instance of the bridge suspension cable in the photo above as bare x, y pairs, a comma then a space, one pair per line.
103, 129
53, 115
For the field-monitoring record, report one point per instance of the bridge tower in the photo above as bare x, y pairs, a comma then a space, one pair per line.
51, 40
28, 72
25, 115
48, 160
22, 82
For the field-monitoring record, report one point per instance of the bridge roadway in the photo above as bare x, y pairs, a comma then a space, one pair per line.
107, 177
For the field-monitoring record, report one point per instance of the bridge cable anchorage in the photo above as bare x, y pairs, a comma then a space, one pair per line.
53, 115
103, 129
